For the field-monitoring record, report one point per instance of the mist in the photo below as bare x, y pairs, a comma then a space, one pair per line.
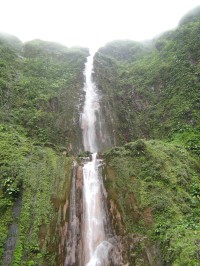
90, 23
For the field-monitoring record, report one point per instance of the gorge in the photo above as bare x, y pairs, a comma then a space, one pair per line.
99, 154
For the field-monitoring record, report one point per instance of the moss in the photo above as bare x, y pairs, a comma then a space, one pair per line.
45, 190
43, 177
6, 219
152, 183
18, 254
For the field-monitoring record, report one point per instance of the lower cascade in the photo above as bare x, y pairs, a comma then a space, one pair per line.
95, 247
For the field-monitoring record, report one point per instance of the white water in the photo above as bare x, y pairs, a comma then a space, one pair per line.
95, 248
91, 107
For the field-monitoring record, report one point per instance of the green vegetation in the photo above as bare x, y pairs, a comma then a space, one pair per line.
151, 95
40, 90
46, 189
191, 16
152, 90
42, 177
155, 186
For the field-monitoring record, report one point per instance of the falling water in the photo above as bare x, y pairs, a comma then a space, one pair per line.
95, 247
91, 107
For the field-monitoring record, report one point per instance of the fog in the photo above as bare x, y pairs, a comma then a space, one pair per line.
90, 23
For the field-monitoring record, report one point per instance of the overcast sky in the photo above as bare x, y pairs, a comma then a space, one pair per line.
90, 22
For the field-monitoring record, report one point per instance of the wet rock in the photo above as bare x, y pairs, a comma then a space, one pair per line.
12, 235
72, 241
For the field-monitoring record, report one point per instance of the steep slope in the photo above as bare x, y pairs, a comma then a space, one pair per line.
35, 186
153, 190
152, 91
41, 89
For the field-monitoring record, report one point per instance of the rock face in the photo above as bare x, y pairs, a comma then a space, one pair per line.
75, 212
131, 249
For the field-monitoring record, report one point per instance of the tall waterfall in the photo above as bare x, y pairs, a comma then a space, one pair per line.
91, 107
95, 247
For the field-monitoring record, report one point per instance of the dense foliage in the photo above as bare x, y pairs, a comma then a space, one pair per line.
152, 90
155, 186
40, 91
39, 178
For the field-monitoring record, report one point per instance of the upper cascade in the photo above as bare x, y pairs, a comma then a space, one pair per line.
91, 108
93, 124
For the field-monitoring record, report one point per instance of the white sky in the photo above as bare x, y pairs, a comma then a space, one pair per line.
90, 23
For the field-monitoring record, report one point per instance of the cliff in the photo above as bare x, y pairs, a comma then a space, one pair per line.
152, 90
41, 91
150, 93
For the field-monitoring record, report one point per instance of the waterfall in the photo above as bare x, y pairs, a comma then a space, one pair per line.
90, 240
95, 135
91, 107
95, 247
